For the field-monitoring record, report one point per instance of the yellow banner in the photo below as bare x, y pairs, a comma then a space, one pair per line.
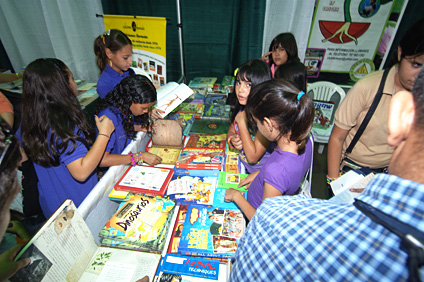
148, 37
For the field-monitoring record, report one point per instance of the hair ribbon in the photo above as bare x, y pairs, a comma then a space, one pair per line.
301, 93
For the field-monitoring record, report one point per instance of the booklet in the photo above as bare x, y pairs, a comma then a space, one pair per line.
64, 249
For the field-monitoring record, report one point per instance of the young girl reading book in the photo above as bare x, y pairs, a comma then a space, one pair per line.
56, 135
282, 114
254, 148
128, 103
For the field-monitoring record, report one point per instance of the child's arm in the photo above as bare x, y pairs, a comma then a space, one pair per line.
81, 168
115, 159
233, 138
253, 149
236, 196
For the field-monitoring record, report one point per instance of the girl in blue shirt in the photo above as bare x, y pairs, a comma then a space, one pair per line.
56, 136
128, 103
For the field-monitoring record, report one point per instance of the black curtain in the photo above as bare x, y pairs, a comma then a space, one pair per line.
218, 35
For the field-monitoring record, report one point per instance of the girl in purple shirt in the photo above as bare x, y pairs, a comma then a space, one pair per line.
282, 114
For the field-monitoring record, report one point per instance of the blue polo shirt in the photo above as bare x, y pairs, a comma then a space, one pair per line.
118, 139
108, 80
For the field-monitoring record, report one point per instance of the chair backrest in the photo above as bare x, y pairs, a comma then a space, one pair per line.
305, 185
326, 91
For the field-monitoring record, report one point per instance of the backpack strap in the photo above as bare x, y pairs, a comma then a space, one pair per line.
412, 239
369, 114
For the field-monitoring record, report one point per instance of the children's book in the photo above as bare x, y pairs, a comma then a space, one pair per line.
193, 187
324, 112
202, 82
141, 220
207, 141
352, 179
191, 269
145, 180
64, 249
216, 107
227, 80
168, 154
191, 158
231, 180
118, 195
209, 126
177, 231
219, 199
198, 96
191, 108
170, 96
211, 232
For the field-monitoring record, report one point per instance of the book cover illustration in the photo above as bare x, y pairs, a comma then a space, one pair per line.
227, 80
142, 220
190, 269
207, 141
187, 121
232, 160
200, 82
210, 126
211, 232
168, 154
196, 188
191, 108
323, 114
178, 229
219, 199
231, 180
172, 95
200, 158
145, 180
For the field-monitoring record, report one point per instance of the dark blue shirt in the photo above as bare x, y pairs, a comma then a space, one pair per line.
108, 80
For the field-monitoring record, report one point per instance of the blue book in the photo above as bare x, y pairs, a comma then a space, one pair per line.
211, 232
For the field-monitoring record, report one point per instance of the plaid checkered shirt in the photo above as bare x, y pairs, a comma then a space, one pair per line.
295, 238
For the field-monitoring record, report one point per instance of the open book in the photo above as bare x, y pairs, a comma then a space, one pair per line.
352, 179
171, 95
64, 249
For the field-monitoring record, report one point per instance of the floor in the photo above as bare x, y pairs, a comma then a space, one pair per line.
319, 186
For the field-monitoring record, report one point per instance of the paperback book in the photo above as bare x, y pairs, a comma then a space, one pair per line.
141, 220
193, 187
216, 107
170, 96
191, 269
191, 108
231, 180
178, 229
192, 158
324, 112
211, 232
186, 120
64, 249
145, 180
212, 141
202, 82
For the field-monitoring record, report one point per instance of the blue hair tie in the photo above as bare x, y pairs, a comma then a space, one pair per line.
301, 93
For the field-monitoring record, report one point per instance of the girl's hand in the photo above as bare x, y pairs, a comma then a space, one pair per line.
237, 143
265, 57
231, 194
155, 114
151, 159
104, 125
247, 180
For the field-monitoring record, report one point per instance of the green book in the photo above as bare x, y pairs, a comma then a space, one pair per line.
231, 180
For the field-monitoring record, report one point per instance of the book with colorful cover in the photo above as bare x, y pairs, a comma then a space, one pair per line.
324, 114
231, 180
118, 195
170, 96
145, 180
202, 82
207, 141
216, 107
219, 199
232, 162
193, 187
191, 269
211, 232
190, 108
192, 158
141, 220
169, 154
177, 231
209, 126
228, 80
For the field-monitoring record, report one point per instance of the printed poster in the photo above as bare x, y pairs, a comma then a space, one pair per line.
355, 34
148, 36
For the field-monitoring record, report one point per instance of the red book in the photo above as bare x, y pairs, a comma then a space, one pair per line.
145, 180
191, 158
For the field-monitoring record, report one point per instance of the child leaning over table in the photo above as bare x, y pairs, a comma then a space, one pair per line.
282, 114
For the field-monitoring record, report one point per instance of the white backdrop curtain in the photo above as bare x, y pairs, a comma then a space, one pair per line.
63, 29
288, 16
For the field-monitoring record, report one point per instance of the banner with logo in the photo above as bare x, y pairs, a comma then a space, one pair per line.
352, 36
148, 36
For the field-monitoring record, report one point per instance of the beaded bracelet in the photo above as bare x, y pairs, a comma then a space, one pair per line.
330, 179
229, 142
139, 158
133, 162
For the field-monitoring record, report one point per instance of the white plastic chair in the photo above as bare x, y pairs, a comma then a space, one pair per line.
325, 91
305, 185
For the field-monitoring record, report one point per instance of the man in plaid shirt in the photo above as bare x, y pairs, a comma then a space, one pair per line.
295, 238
